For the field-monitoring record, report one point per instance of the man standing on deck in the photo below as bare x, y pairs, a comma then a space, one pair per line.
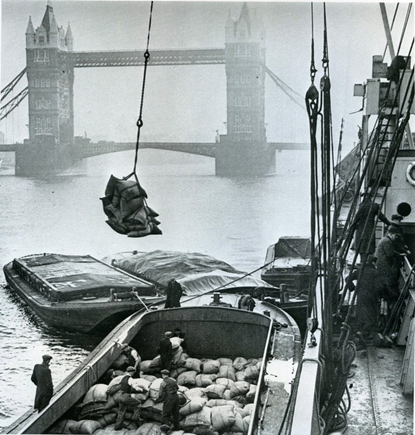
369, 286
364, 223
389, 263
42, 378
168, 394
166, 351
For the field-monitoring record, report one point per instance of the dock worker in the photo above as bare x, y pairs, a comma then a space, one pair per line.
246, 302
389, 262
369, 286
166, 351
133, 359
174, 292
364, 224
168, 395
42, 378
120, 388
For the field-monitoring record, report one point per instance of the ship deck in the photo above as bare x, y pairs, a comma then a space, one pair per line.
377, 403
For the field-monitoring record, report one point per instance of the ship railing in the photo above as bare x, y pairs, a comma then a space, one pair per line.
253, 425
306, 416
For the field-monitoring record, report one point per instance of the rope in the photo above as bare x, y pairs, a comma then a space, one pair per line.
140, 122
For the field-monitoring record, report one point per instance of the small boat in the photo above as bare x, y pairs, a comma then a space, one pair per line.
287, 266
288, 262
78, 292
215, 328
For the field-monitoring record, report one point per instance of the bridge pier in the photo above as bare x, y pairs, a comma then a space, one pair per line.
244, 158
45, 158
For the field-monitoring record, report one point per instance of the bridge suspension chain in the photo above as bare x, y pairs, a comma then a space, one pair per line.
13, 103
7, 89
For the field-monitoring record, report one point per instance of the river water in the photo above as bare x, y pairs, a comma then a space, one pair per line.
232, 219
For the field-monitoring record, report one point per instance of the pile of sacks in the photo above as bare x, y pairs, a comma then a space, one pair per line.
125, 205
216, 397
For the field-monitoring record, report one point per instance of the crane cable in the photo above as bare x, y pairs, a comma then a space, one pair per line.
140, 122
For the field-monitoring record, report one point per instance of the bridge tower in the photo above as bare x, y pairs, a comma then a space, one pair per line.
244, 149
50, 76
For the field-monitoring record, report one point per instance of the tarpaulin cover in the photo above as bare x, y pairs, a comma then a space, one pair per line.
125, 205
71, 275
197, 273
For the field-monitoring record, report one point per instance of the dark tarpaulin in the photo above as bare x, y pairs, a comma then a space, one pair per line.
296, 247
128, 213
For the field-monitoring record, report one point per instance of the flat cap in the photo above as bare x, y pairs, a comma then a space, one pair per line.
46, 357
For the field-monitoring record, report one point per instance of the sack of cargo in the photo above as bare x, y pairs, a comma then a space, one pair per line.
242, 411
249, 408
148, 429
239, 363
226, 372
225, 381
250, 395
107, 419
109, 430
225, 361
194, 405
97, 393
177, 357
252, 362
176, 342
150, 410
205, 380
238, 426
193, 364
201, 418
177, 432
240, 376
140, 383
174, 373
239, 388
85, 427
234, 403
223, 417
241, 399
247, 421
145, 366
210, 367
155, 362
95, 401
142, 397
216, 402
227, 394
215, 391
154, 388
251, 373
187, 378
63, 426
149, 378
195, 392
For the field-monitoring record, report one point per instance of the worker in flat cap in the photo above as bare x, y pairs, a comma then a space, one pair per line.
120, 388
166, 350
168, 395
42, 378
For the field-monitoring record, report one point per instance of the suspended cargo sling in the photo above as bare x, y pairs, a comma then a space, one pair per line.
124, 202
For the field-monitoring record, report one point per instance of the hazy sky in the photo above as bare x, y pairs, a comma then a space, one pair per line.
188, 103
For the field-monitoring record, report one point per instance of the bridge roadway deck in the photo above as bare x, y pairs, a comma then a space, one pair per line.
204, 149
212, 56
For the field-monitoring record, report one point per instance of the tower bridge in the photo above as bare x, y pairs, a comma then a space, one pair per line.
50, 65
